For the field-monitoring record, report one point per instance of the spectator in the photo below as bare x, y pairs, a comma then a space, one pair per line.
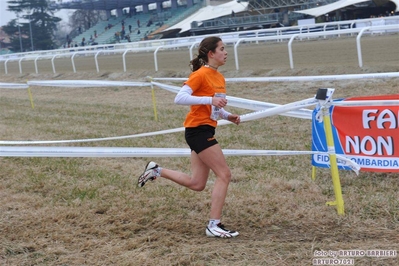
117, 36
138, 23
130, 28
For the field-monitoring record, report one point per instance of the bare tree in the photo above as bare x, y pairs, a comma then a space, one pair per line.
85, 19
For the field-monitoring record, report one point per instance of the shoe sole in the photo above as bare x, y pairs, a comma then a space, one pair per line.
225, 235
141, 184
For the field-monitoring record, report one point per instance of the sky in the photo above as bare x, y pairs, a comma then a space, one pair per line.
6, 16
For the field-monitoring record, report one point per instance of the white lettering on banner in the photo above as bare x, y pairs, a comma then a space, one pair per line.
381, 118
323, 158
377, 163
365, 162
376, 147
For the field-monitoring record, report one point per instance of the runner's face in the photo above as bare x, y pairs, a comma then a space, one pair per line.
219, 57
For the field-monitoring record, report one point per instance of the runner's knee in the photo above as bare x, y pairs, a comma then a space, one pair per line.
225, 176
198, 187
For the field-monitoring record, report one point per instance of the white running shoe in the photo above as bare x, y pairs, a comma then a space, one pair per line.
149, 174
220, 231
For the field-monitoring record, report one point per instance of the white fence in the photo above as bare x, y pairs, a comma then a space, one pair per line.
341, 28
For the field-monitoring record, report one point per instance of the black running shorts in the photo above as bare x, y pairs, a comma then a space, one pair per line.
201, 137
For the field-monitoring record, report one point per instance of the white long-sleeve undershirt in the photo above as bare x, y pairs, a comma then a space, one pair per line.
185, 97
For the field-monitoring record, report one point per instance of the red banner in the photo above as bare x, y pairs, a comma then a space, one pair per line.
369, 135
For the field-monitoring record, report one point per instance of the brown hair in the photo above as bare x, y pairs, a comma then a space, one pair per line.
206, 45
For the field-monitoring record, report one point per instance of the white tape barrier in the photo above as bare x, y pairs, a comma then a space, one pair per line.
319, 115
101, 83
244, 118
257, 105
245, 103
86, 83
366, 103
349, 163
274, 111
302, 78
24, 151
13, 86
171, 88
29, 151
22, 142
316, 78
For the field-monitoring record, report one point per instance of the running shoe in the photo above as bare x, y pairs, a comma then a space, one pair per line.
220, 231
150, 174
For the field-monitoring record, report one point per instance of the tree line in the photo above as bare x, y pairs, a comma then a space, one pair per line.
37, 28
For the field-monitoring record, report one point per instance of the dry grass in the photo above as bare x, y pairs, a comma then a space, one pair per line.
88, 211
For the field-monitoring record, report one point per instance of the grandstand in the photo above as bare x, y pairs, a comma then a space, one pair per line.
149, 23
145, 19
277, 13
172, 18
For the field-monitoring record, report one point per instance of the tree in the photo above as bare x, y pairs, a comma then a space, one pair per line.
85, 18
41, 23
11, 29
82, 20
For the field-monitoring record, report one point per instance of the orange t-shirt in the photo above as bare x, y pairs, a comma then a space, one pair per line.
204, 82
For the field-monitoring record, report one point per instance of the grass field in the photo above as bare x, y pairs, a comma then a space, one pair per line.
89, 211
